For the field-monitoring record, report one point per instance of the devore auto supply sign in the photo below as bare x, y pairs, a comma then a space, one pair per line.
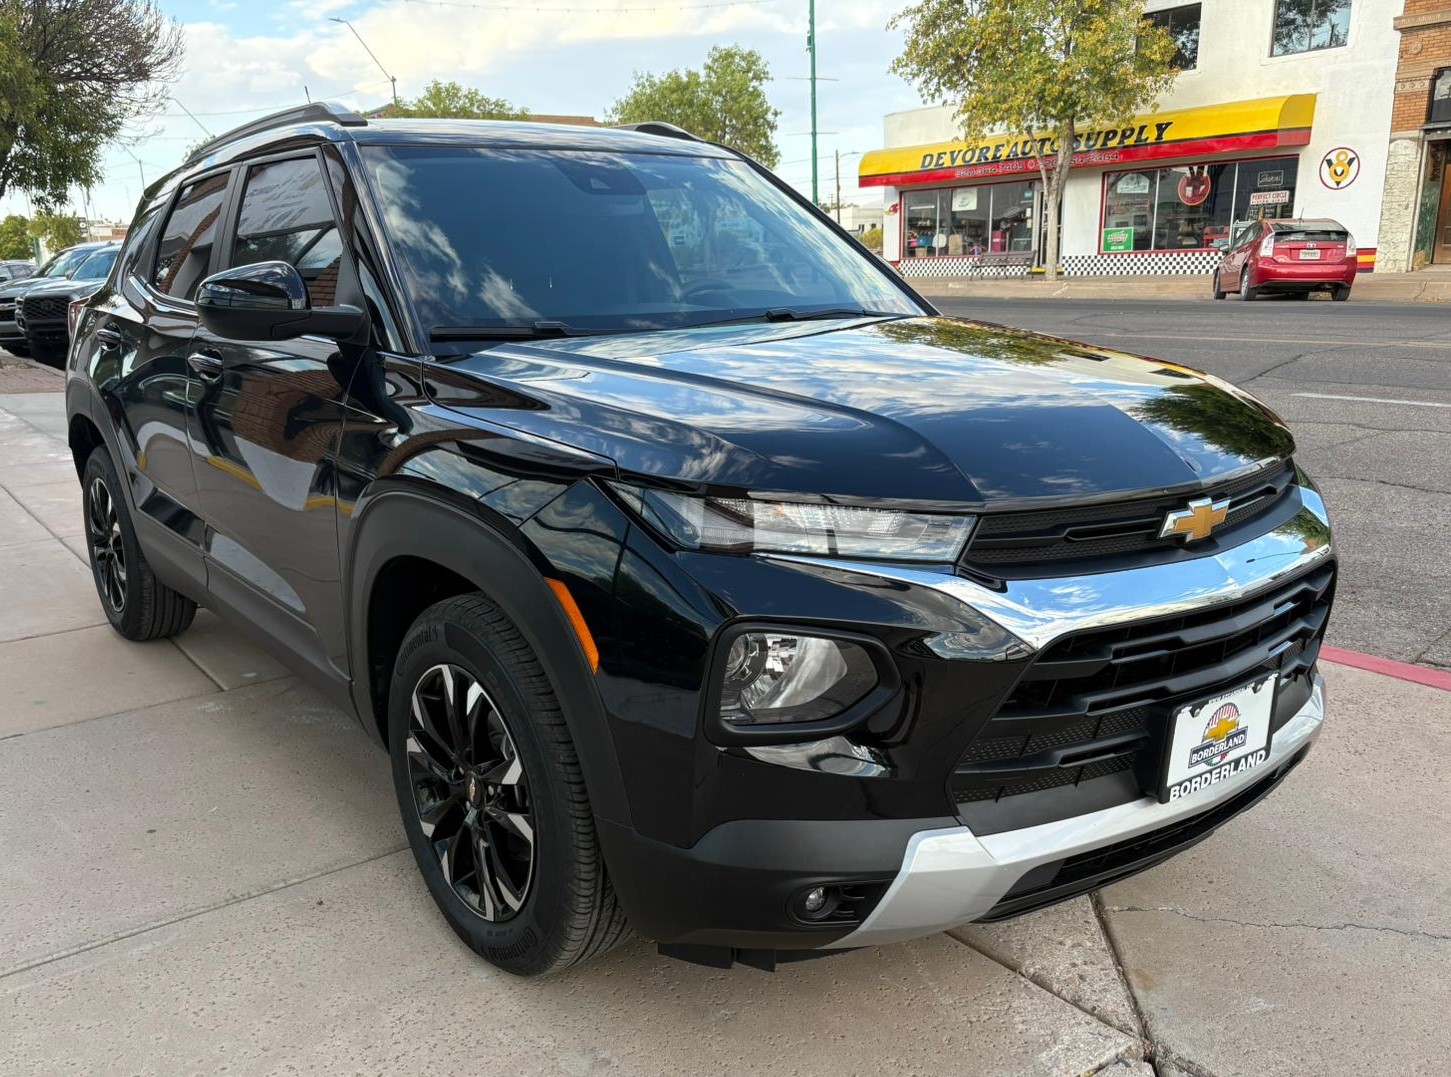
1263, 124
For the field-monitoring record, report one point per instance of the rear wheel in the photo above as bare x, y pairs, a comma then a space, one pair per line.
138, 605
492, 794
1246, 292
1340, 293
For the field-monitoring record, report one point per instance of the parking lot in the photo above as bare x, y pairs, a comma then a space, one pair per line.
204, 868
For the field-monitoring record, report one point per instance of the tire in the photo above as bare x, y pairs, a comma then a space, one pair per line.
544, 902
1214, 285
138, 605
1246, 293
1340, 293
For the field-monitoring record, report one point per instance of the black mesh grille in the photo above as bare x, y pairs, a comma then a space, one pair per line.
1098, 702
42, 308
1002, 541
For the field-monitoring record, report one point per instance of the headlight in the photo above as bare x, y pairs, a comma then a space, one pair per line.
772, 678
752, 525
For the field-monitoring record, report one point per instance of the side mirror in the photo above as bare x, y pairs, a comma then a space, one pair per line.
269, 301
1220, 244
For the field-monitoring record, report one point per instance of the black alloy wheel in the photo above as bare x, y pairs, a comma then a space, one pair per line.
108, 550
470, 792
492, 793
138, 605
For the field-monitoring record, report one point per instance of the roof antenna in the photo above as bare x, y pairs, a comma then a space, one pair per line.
306, 94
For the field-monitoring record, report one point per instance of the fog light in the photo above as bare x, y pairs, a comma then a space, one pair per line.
815, 900
774, 678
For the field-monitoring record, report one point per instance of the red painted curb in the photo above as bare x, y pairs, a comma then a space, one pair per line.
1403, 671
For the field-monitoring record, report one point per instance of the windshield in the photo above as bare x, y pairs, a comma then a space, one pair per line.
97, 266
62, 264
605, 241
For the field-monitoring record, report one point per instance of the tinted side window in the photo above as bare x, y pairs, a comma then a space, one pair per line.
185, 249
286, 216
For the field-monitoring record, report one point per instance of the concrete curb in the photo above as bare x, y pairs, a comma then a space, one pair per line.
1374, 287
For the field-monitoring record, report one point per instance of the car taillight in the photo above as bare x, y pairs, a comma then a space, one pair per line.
73, 315
1267, 245
1350, 250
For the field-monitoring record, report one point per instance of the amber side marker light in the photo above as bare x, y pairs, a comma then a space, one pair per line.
576, 620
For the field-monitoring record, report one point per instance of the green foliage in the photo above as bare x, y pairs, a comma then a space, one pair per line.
56, 230
723, 102
15, 237
871, 239
72, 74
1039, 67
450, 101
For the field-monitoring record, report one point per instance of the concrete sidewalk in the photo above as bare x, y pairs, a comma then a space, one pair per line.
1428, 286
203, 869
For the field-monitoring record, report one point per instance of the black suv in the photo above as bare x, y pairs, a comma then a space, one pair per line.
42, 313
697, 575
59, 268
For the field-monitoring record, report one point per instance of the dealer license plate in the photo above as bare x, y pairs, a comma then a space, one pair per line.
1307, 256
1218, 738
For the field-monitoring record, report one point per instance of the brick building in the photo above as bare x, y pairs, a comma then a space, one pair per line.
1415, 229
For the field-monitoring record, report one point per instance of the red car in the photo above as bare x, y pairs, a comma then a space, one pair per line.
1295, 257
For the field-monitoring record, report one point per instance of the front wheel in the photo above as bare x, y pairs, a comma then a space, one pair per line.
138, 605
1246, 292
492, 795
1214, 285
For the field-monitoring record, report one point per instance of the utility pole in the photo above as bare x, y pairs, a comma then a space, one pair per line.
811, 48
838, 186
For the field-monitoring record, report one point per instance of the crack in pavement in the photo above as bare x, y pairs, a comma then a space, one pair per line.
1386, 482
122, 936
1274, 367
1435, 936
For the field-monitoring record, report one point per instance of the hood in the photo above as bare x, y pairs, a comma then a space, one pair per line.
14, 288
929, 409
64, 286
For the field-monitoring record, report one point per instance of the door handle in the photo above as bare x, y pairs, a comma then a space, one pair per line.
109, 338
206, 364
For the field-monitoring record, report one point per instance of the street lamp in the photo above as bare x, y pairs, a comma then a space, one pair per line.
390, 78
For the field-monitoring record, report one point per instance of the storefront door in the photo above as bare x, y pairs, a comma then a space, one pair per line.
1441, 248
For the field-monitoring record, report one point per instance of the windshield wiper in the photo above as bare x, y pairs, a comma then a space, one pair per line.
789, 314
541, 330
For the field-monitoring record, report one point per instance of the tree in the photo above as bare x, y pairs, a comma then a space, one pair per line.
15, 237
56, 230
1042, 68
871, 239
450, 101
723, 102
73, 73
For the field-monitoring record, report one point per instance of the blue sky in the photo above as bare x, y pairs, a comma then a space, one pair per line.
248, 57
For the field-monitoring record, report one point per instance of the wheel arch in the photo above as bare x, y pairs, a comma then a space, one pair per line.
408, 550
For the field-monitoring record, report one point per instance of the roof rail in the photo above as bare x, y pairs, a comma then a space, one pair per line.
659, 127
312, 112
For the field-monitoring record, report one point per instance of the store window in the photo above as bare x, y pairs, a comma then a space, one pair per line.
1193, 207
995, 218
1183, 26
1306, 25
1440, 111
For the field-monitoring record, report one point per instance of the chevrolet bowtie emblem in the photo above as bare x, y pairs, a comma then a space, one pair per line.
1196, 520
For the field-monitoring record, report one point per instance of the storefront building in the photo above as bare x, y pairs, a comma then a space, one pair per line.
1416, 212
1302, 133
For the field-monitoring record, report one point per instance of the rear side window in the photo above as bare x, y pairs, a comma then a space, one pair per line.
286, 216
185, 250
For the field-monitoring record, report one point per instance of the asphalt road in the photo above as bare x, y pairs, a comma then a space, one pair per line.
1365, 387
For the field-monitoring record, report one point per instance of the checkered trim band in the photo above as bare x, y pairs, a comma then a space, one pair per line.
959, 267
1161, 264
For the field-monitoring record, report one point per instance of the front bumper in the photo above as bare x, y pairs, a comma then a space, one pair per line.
875, 816
950, 876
